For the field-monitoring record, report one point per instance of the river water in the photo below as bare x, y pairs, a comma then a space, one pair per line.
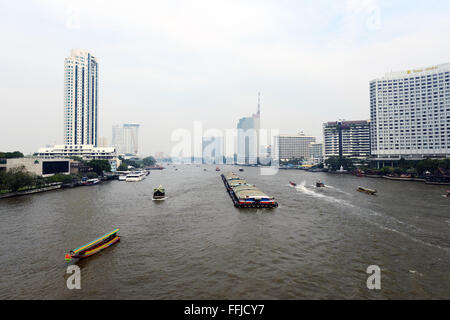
195, 245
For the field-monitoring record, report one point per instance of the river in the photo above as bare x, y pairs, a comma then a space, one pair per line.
195, 245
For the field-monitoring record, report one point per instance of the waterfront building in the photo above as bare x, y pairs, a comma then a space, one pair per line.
248, 138
80, 98
316, 153
38, 166
85, 152
347, 139
212, 150
292, 147
410, 114
125, 138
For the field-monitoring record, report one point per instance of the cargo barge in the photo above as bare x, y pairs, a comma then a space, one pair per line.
245, 195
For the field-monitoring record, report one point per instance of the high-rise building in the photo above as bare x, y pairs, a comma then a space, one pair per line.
80, 98
316, 153
125, 138
248, 138
410, 114
292, 147
346, 139
212, 150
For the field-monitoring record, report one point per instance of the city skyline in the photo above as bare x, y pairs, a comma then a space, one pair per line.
166, 83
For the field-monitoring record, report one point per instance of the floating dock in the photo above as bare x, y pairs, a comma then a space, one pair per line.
245, 195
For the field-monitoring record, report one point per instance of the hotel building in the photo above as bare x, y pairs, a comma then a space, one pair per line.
292, 147
80, 98
410, 114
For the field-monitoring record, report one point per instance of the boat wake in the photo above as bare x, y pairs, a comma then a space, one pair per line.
387, 223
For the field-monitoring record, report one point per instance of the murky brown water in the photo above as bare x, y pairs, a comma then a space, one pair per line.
196, 245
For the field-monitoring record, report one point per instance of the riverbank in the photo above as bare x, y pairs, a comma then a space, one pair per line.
55, 186
52, 186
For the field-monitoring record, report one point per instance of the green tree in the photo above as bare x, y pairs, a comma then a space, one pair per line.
335, 163
9, 155
149, 161
123, 166
17, 178
98, 166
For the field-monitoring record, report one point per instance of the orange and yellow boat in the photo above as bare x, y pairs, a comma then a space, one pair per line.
93, 247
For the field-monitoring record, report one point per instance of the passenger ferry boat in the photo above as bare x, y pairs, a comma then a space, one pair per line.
246, 195
93, 247
159, 193
135, 176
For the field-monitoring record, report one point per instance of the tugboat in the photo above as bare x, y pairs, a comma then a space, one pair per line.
292, 183
159, 193
320, 184
367, 190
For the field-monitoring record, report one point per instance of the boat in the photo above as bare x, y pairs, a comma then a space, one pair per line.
292, 183
91, 182
135, 176
366, 190
241, 169
448, 194
93, 247
244, 194
217, 169
320, 184
159, 193
122, 177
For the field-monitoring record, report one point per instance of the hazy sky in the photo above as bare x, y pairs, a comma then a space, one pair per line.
165, 64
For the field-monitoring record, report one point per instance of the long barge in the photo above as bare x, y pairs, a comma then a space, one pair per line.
244, 194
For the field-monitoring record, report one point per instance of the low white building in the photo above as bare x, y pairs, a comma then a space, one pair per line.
85, 152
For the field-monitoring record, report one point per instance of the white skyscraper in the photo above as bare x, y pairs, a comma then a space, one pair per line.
410, 114
125, 138
80, 98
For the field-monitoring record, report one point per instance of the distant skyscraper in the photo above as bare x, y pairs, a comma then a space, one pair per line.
125, 138
212, 150
248, 138
80, 98
102, 142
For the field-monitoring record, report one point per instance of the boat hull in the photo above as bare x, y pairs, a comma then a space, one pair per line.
93, 251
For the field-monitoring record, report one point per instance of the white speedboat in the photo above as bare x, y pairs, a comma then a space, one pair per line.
135, 176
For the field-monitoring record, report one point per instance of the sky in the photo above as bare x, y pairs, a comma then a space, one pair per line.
166, 64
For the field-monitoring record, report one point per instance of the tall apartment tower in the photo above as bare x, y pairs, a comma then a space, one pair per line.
80, 98
410, 114
347, 139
